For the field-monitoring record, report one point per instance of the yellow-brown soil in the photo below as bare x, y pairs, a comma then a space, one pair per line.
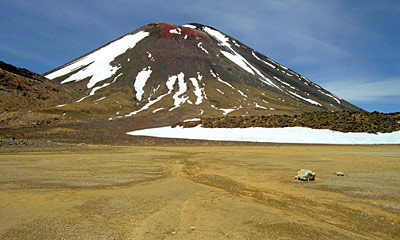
231, 192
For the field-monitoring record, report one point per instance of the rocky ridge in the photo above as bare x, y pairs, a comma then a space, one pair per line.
374, 122
22, 72
21, 89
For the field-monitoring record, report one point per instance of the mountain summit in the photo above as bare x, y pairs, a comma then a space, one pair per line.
188, 71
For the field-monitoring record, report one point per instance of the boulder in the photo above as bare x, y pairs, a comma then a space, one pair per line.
305, 175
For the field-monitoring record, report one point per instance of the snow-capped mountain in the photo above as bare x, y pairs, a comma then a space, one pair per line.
188, 71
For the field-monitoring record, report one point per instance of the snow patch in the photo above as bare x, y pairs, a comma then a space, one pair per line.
199, 45
192, 120
259, 106
80, 100
151, 102
99, 99
329, 95
285, 83
305, 79
277, 135
218, 35
197, 91
176, 31
155, 89
224, 41
171, 82
305, 99
236, 44
243, 63
241, 93
226, 83
178, 101
259, 59
238, 60
235, 57
158, 109
170, 85
97, 64
92, 92
199, 76
189, 26
213, 73
140, 82
227, 110
149, 56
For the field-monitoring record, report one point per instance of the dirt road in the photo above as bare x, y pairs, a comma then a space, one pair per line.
231, 192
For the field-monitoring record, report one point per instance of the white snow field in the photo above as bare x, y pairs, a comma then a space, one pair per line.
140, 82
98, 63
273, 135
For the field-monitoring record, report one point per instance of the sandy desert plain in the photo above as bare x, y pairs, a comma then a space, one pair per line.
207, 191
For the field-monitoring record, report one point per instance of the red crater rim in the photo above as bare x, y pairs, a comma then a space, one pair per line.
170, 31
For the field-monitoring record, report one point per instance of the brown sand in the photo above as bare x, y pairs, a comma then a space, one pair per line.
231, 192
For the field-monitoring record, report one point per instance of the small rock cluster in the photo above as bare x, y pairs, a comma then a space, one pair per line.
12, 142
26, 143
308, 175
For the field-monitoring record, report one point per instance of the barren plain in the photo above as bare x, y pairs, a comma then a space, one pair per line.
200, 192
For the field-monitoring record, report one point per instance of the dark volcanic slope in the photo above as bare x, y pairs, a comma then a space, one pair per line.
22, 89
22, 72
187, 71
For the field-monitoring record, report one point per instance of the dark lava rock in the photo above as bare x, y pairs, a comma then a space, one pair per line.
374, 122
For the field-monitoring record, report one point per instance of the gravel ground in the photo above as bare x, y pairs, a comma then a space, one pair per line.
208, 192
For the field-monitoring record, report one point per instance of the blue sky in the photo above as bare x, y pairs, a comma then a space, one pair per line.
351, 48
